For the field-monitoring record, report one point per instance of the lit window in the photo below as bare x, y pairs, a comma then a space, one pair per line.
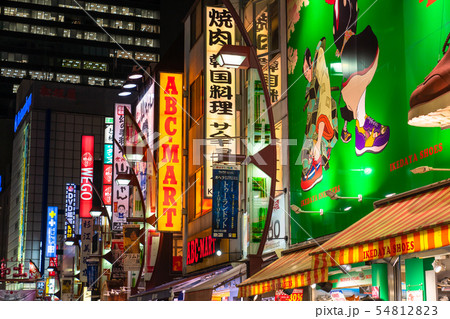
116, 82
96, 81
68, 63
124, 55
67, 78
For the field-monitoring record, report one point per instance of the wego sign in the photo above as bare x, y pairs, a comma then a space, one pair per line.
170, 162
87, 173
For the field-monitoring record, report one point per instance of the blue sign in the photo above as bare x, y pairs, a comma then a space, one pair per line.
0, 183
108, 154
225, 201
92, 274
71, 205
52, 227
23, 111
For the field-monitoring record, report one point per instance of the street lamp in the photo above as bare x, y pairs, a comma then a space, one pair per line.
72, 240
298, 210
335, 196
424, 169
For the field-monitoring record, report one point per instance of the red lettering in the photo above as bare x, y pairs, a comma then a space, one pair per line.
171, 105
440, 147
412, 243
169, 213
170, 153
169, 194
431, 150
170, 176
167, 127
196, 250
171, 88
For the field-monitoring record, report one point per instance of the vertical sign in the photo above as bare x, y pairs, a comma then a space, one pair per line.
108, 163
52, 226
170, 152
23, 196
87, 225
220, 111
225, 201
71, 203
132, 252
87, 173
120, 196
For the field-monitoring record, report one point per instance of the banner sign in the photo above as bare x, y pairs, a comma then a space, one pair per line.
277, 228
87, 231
108, 155
92, 274
120, 198
87, 173
220, 112
296, 295
153, 239
23, 194
52, 227
170, 152
117, 271
71, 205
132, 252
225, 201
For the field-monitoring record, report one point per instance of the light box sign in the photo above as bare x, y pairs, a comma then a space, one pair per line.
170, 152
23, 194
200, 248
87, 173
225, 201
366, 75
108, 152
52, 227
71, 204
220, 113
120, 198
87, 232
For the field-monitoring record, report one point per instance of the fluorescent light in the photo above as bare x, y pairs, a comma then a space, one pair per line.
347, 208
124, 93
129, 86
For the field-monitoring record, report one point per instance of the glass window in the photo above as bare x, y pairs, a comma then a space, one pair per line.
198, 206
196, 99
96, 81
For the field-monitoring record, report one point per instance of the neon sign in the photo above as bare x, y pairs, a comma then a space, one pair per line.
23, 111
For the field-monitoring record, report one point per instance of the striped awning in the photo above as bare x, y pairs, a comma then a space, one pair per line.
289, 271
413, 224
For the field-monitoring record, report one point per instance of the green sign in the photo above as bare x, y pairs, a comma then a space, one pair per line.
349, 98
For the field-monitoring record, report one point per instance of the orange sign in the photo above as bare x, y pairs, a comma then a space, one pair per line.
170, 152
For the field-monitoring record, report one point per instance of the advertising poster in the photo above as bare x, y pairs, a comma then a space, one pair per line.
353, 105
220, 97
225, 201
117, 271
170, 180
92, 274
415, 295
120, 198
337, 295
277, 227
132, 251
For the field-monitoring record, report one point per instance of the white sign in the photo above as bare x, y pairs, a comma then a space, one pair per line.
277, 228
219, 92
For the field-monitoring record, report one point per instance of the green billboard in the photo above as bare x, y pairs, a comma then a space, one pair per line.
352, 69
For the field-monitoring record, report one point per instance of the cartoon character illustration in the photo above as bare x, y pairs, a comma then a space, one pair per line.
430, 101
321, 131
359, 56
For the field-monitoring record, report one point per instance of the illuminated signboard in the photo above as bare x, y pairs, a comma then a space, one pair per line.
108, 158
120, 198
107, 184
23, 111
199, 248
71, 203
0, 183
87, 173
170, 152
220, 125
52, 226
23, 195
107, 163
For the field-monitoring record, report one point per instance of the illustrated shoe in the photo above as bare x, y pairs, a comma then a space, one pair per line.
430, 101
372, 137
345, 136
313, 176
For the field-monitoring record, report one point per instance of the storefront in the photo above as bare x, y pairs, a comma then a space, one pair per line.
290, 275
405, 240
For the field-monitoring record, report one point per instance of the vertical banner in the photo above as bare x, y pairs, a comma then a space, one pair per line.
220, 113
92, 273
87, 173
225, 201
71, 204
52, 226
170, 152
87, 227
151, 254
108, 164
117, 271
121, 194
132, 252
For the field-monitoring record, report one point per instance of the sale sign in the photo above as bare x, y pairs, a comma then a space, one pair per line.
87, 173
